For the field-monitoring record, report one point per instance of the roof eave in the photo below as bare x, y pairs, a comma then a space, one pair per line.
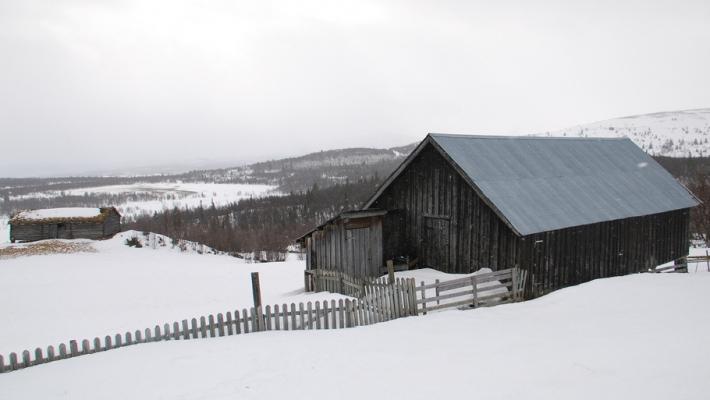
402, 166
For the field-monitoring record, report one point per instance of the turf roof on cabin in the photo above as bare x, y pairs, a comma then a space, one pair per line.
539, 184
26, 218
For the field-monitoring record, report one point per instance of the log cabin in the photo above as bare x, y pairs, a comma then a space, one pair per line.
65, 223
566, 210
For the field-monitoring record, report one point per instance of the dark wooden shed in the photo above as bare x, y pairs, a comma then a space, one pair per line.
350, 242
567, 210
65, 223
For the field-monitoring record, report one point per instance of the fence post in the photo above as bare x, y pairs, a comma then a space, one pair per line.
436, 290
390, 271
39, 358
256, 289
474, 285
412, 296
268, 318
348, 316
514, 279
62, 351
424, 298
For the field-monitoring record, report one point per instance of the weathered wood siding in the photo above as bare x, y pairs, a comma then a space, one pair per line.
570, 256
431, 208
68, 230
353, 247
423, 200
112, 225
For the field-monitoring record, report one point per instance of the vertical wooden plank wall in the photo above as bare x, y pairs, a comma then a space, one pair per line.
575, 255
355, 251
477, 238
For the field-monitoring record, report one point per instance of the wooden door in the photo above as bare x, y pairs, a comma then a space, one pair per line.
435, 247
63, 232
52, 231
360, 256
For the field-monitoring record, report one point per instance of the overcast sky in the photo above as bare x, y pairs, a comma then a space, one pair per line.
108, 85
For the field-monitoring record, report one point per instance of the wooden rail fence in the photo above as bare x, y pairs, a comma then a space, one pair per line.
483, 290
682, 264
487, 289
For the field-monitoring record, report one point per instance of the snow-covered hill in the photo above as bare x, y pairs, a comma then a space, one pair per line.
673, 134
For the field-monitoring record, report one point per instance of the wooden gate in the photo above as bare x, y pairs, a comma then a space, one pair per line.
435, 248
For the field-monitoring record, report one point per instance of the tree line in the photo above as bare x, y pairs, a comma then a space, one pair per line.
268, 225
264, 226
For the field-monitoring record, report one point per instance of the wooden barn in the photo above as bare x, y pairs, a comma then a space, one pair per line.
567, 210
65, 223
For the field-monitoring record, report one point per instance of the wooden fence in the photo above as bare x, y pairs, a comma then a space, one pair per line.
320, 280
487, 289
682, 264
483, 290
379, 300
383, 304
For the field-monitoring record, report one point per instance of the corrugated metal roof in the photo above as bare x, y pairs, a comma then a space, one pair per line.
540, 184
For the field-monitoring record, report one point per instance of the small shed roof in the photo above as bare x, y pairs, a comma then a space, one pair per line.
539, 184
351, 214
61, 215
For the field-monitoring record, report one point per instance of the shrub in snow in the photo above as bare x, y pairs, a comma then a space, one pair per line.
133, 242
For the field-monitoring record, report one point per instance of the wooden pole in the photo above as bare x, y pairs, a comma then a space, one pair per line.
390, 271
256, 289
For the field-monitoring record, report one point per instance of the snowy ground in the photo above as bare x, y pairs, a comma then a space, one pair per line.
642, 336
639, 336
168, 195
49, 299
4, 229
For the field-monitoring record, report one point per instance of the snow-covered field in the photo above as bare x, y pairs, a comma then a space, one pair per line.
642, 336
48, 299
638, 336
167, 195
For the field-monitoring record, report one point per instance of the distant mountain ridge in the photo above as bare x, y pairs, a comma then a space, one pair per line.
684, 133
323, 168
